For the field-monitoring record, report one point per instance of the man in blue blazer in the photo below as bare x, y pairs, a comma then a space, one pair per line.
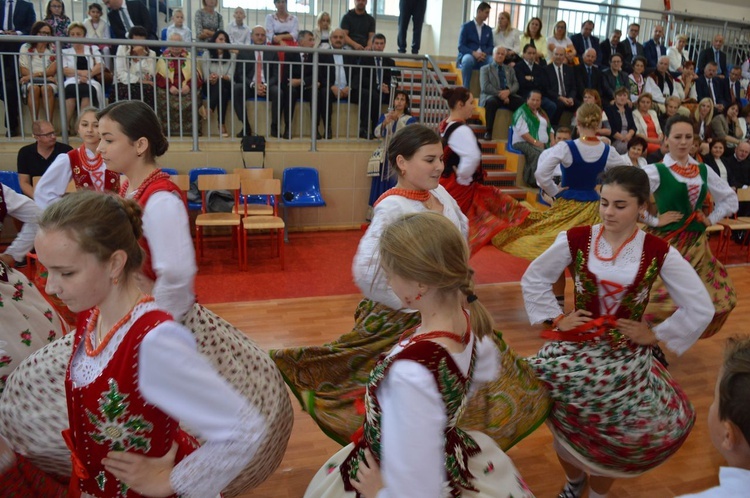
585, 40
23, 17
630, 47
654, 48
715, 54
475, 44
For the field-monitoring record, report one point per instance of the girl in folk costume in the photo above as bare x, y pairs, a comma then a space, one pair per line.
616, 411
410, 444
131, 141
489, 210
127, 385
330, 380
85, 167
680, 185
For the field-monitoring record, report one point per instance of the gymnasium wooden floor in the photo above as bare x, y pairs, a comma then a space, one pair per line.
313, 321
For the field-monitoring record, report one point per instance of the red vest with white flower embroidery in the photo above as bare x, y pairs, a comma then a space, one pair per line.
83, 180
109, 414
634, 299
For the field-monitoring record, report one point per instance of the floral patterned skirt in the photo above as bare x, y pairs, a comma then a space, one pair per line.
694, 248
329, 381
34, 412
530, 239
616, 410
495, 476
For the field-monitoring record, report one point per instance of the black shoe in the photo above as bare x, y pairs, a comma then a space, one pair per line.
274, 131
318, 136
363, 134
488, 135
286, 135
372, 137
329, 134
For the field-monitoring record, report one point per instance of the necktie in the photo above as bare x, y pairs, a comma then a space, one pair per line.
378, 63
531, 42
711, 89
614, 49
634, 50
258, 69
126, 20
9, 21
588, 71
560, 81
682, 55
501, 75
733, 91
586, 43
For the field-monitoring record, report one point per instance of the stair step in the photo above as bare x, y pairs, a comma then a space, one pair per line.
493, 159
500, 175
478, 129
415, 75
515, 192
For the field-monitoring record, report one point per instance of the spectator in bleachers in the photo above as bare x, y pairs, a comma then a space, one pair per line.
610, 47
620, 116
217, 68
654, 48
19, 24
338, 76
671, 108
414, 10
738, 166
474, 44
678, 55
371, 88
711, 86
54, 15
714, 54
508, 37
634, 154
661, 85
715, 160
322, 31
80, 64
257, 77
529, 74
631, 48
358, 26
533, 36
239, 32
727, 126
96, 27
585, 40
559, 38
560, 85
687, 80
499, 88
207, 20
178, 26
173, 80
636, 79
300, 84
734, 85
604, 132
745, 118
614, 78
702, 118
38, 68
123, 15
34, 159
647, 123
135, 70
282, 27
532, 133
587, 75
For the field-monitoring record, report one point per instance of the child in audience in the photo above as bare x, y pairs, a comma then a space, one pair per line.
178, 26
323, 31
239, 32
729, 422
96, 27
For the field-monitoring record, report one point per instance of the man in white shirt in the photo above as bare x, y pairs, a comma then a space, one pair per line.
338, 76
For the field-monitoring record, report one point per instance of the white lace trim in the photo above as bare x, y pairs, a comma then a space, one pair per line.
210, 468
85, 368
622, 270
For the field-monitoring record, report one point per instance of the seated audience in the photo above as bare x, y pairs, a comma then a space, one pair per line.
372, 86
173, 80
508, 37
631, 48
474, 51
124, 14
338, 76
610, 47
585, 40
687, 80
727, 127
251, 83
178, 26
135, 70
81, 63
715, 160
637, 80
532, 133
671, 108
661, 85
620, 116
217, 68
560, 85
322, 31
716, 55
744, 115
300, 86
604, 132
559, 38
34, 159
654, 48
703, 116
533, 36
647, 123
238, 31
499, 88
738, 172
634, 154
614, 78
55, 16
96, 27
678, 55
734, 86
282, 27
713, 87
38, 69
587, 75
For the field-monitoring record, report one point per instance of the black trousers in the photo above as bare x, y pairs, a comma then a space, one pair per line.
293, 95
243, 91
494, 104
414, 10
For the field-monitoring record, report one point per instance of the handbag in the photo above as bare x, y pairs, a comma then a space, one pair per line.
253, 143
375, 163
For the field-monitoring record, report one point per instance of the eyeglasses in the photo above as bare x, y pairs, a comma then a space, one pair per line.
45, 135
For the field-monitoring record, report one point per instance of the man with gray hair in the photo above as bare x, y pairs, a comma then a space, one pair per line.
499, 88
610, 47
587, 75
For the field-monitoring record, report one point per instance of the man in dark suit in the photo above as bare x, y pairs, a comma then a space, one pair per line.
587, 75
300, 85
123, 15
338, 75
371, 86
734, 85
251, 84
16, 18
738, 169
709, 85
530, 76
610, 47
654, 48
631, 48
585, 40
475, 50
560, 85
715, 54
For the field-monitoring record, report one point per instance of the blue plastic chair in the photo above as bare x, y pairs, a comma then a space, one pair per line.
169, 171
509, 146
195, 173
10, 180
300, 187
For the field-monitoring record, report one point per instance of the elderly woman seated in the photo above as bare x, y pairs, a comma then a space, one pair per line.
173, 80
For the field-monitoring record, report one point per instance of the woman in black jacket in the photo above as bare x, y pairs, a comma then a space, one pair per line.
621, 121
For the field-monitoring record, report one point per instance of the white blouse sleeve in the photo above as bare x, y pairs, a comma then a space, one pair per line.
520, 129
23, 209
464, 143
725, 199
548, 162
615, 159
653, 176
205, 403
652, 88
487, 366
694, 307
537, 281
167, 230
54, 182
413, 424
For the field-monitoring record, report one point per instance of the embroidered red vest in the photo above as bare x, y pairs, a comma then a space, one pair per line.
109, 414
635, 297
161, 185
82, 178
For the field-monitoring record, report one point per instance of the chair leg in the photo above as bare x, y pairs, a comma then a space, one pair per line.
199, 240
243, 250
281, 247
236, 231
283, 217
